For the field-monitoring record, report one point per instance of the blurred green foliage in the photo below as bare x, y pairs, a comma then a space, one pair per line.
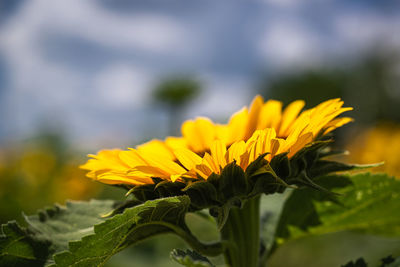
175, 94
370, 85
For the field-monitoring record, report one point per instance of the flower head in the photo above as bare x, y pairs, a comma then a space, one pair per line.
257, 134
206, 147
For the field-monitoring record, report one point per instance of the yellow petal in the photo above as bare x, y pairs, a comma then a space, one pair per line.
277, 146
218, 150
235, 151
164, 164
269, 135
260, 143
254, 138
203, 170
300, 143
175, 142
114, 177
316, 128
244, 160
157, 172
187, 158
301, 124
199, 134
289, 115
254, 113
210, 163
336, 123
237, 125
157, 147
151, 171
132, 158
270, 115
222, 133
103, 162
252, 151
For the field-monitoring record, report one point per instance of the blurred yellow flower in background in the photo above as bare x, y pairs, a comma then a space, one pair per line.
378, 144
206, 147
34, 176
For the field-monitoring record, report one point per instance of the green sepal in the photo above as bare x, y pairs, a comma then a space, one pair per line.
190, 258
265, 180
144, 192
231, 186
315, 147
281, 165
202, 194
329, 152
306, 158
232, 182
221, 213
169, 189
323, 167
253, 168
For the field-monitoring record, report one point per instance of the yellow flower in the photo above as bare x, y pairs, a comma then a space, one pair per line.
378, 144
206, 147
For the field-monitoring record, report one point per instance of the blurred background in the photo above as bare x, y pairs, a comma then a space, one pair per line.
79, 76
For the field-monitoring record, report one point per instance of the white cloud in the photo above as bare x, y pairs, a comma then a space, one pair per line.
283, 3
41, 85
294, 4
88, 20
362, 30
122, 85
286, 42
222, 96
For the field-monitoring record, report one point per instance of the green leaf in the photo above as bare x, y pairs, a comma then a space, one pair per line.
60, 224
270, 210
367, 203
190, 258
371, 204
360, 262
130, 227
299, 210
119, 207
49, 231
389, 261
20, 247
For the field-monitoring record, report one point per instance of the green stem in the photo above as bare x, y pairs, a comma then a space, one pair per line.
242, 232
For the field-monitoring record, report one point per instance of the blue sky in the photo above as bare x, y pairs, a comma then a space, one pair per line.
88, 67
